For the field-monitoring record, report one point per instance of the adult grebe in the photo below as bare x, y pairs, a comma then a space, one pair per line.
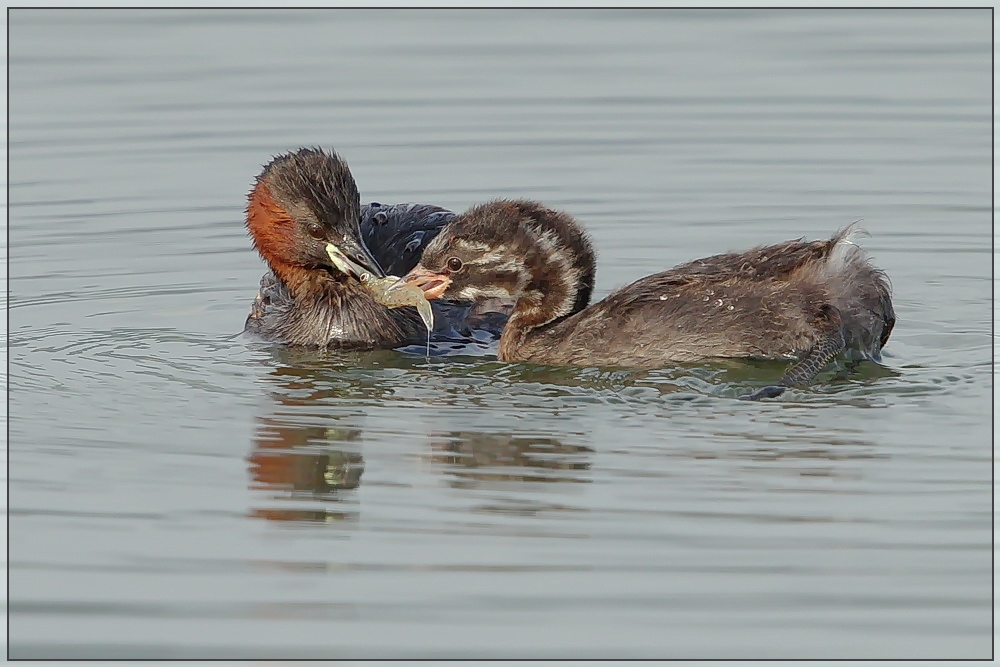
305, 217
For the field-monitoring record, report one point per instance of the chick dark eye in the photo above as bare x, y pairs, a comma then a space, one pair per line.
314, 230
454, 264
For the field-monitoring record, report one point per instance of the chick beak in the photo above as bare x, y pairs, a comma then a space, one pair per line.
345, 264
432, 284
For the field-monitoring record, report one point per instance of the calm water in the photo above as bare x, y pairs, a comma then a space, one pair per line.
176, 492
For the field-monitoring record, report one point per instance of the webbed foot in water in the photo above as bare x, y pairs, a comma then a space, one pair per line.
803, 372
770, 391
392, 292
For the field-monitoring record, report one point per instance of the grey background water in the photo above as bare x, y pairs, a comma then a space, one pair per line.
176, 492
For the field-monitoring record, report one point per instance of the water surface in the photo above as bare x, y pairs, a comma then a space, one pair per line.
178, 492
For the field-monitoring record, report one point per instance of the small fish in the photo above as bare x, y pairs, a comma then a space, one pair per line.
392, 292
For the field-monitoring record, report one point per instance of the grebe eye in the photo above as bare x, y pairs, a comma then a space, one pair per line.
454, 264
314, 230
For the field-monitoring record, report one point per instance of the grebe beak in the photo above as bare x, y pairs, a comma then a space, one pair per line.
352, 266
432, 284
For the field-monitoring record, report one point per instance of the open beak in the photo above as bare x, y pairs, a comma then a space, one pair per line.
356, 261
432, 284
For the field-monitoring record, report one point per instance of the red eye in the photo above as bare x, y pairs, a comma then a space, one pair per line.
314, 230
454, 264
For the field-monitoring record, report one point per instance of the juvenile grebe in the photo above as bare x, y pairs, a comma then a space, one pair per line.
300, 203
802, 301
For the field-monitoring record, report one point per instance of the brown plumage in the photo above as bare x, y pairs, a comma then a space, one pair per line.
799, 300
302, 201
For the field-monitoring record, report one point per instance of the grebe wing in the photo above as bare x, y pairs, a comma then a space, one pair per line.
396, 234
271, 303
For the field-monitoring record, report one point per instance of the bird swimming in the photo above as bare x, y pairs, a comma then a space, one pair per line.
799, 301
325, 253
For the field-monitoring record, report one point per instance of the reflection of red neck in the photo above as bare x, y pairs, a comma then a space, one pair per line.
271, 227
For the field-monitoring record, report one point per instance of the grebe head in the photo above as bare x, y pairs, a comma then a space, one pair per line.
303, 214
516, 250
480, 254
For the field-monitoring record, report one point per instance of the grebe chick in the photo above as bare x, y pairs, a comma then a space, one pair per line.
801, 301
300, 203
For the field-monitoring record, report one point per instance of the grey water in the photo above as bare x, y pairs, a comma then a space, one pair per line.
178, 492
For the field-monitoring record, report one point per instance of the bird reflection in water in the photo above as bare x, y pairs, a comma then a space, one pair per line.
307, 452
305, 464
472, 458
310, 468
